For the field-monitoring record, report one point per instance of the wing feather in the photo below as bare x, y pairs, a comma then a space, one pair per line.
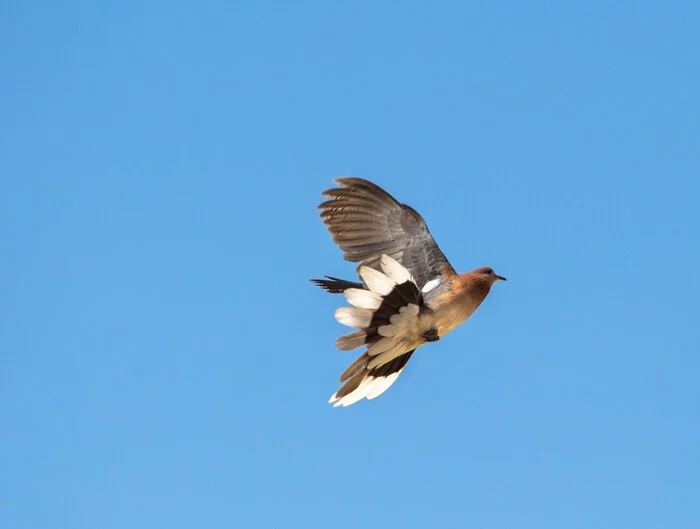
367, 222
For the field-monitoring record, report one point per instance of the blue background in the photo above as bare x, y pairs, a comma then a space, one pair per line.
164, 361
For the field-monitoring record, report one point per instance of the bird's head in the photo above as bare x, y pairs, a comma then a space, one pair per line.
489, 275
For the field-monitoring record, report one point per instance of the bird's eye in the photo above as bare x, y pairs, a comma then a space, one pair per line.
489, 271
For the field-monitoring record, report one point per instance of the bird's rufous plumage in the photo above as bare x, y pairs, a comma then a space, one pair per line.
408, 295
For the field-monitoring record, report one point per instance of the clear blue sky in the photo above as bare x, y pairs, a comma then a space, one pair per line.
164, 361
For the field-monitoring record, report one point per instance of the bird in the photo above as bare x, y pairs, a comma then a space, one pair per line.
408, 294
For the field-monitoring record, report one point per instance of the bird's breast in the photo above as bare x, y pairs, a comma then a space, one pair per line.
446, 316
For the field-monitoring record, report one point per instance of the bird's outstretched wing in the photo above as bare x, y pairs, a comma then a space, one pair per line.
367, 222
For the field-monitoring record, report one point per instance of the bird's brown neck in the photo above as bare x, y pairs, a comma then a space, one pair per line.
472, 286
467, 289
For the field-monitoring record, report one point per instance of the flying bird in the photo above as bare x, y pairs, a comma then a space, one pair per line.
408, 294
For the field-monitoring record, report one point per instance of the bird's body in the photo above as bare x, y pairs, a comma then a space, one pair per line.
409, 295
463, 295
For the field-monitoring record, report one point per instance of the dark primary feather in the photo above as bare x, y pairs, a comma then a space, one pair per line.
392, 367
366, 222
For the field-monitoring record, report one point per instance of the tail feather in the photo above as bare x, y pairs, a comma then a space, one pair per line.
335, 285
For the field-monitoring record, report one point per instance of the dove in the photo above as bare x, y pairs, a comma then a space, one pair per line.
407, 295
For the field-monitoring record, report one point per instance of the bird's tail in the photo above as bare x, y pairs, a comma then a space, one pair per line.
384, 311
335, 285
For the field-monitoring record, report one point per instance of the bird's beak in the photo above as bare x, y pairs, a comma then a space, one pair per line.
501, 278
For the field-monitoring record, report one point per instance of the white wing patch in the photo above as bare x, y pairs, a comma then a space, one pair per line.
394, 270
370, 387
354, 317
383, 384
376, 281
363, 299
430, 285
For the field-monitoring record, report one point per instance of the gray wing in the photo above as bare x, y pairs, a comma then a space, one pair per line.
366, 222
